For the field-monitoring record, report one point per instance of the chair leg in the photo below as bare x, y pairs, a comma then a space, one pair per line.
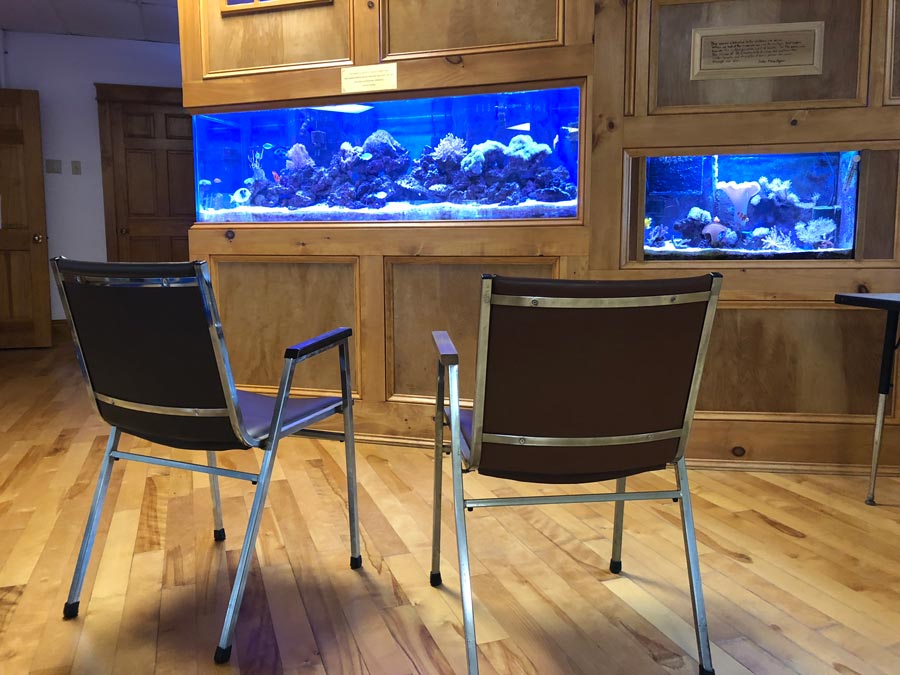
435, 578
352, 500
615, 562
693, 561
459, 509
350, 453
218, 525
70, 611
223, 651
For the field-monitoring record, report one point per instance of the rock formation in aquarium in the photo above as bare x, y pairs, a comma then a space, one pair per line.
691, 213
379, 172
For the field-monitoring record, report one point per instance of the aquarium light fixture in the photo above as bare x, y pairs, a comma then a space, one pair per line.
353, 108
525, 126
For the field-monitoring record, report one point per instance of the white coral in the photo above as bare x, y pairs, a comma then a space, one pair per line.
816, 231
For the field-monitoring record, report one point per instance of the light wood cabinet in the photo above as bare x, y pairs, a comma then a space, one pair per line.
297, 51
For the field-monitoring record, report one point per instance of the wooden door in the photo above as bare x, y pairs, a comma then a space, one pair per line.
24, 271
148, 172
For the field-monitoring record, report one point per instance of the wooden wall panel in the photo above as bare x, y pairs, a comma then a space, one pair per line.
180, 176
420, 26
671, 53
267, 306
137, 125
294, 36
793, 360
423, 295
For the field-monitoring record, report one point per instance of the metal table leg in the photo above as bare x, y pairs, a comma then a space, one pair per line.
884, 388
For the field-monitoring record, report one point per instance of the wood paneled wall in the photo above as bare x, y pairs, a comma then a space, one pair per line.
790, 377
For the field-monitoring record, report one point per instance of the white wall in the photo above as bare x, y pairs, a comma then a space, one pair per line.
64, 68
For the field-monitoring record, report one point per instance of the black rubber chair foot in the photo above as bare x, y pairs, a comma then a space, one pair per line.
615, 566
355, 563
435, 579
222, 655
70, 611
870, 501
219, 535
704, 671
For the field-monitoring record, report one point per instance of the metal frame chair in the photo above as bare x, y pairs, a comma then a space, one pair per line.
150, 345
618, 414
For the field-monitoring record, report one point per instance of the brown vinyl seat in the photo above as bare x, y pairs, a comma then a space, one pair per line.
576, 382
149, 341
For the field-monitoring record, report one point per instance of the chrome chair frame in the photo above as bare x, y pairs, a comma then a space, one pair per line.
448, 370
268, 443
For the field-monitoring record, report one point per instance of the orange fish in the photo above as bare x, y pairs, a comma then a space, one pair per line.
276, 177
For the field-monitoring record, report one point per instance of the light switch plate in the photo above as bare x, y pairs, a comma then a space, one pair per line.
53, 165
76, 167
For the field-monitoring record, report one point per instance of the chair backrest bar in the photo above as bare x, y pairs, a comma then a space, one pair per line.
587, 380
149, 340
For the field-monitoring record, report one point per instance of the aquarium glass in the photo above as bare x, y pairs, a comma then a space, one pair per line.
510, 155
767, 207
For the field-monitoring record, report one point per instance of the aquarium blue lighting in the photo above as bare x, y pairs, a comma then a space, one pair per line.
487, 156
764, 206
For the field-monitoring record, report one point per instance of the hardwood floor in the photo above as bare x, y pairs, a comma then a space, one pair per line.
800, 576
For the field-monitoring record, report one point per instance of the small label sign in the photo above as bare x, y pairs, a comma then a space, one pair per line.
368, 78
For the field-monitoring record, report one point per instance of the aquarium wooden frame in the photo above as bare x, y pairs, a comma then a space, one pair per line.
214, 262
646, 68
585, 93
563, 29
633, 200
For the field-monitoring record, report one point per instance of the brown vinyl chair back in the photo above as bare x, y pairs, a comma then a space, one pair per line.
149, 340
580, 381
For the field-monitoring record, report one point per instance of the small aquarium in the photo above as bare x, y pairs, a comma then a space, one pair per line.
493, 156
771, 207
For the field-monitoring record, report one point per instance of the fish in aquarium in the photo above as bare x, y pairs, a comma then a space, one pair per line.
425, 159
747, 214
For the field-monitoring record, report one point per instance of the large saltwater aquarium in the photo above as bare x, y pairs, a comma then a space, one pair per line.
771, 207
510, 155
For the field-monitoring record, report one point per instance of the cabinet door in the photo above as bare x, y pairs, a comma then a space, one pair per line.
283, 38
419, 27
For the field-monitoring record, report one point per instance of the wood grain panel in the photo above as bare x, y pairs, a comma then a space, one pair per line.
816, 361
431, 294
180, 175
146, 249
671, 55
267, 306
469, 23
138, 125
12, 187
140, 175
288, 37
879, 184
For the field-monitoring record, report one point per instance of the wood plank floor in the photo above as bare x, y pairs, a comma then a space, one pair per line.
800, 576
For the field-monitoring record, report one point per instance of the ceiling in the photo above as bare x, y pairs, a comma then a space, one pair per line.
153, 20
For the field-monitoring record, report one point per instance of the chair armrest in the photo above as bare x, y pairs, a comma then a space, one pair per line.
317, 344
445, 347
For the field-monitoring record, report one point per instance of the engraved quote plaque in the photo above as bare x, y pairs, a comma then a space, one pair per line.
765, 50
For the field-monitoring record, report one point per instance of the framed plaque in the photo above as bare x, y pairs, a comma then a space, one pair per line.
765, 50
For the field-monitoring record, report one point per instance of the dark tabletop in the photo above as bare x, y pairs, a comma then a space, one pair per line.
888, 301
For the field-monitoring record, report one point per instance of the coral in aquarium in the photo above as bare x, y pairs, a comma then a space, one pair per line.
450, 150
816, 232
740, 195
297, 157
